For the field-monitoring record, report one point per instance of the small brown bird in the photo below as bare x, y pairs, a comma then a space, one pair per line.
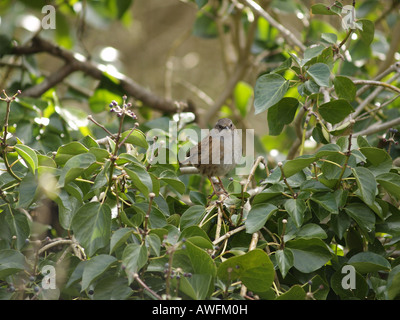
218, 153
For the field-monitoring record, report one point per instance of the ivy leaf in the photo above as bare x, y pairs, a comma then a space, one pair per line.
91, 225
140, 178
296, 209
335, 111
281, 114
258, 216
391, 183
254, 269
28, 155
366, 184
74, 167
269, 90
344, 88
366, 262
11, 261
320, 72
285, 260
95, 267
67, 151
309, 254
134, 258
368, 31
321, 8
361, 214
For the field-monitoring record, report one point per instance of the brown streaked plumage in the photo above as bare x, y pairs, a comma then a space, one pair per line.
210, 156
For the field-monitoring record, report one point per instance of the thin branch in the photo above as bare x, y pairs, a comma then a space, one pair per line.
252, 171
145, 286
130, 87
287, 34
377, 83
377, 127
229, 234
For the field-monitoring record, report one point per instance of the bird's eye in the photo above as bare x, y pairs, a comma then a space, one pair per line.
230, 126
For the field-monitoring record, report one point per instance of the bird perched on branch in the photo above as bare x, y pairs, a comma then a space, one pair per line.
218, 153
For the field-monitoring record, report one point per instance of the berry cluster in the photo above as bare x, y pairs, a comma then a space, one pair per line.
124, 110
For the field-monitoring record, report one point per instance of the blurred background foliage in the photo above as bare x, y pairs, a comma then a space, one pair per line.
176, 50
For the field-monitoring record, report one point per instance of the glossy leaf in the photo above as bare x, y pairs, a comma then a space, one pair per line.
91, 225
28, 155
254, 269
335, 110
258, 216
269, 90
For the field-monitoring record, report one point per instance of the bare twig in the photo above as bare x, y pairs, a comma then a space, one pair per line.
131, 88
377, 127
145, 286
287, 34
229, 234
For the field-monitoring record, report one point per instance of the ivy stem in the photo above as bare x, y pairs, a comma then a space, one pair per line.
8, 100
348, 154
294, 194
146, 218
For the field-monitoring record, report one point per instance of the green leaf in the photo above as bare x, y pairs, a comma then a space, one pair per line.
309, 254
296, 209
170, 178
340, 223
335, 110
19, 225
134, 258
368, 31
74, 167
95, 267
269, 90
136, 138
254, 269
313, 51
291, 167
361, 286
119, 237
391, 182
112, 288
393, 283
321, 8
192, 216
11, 261
285, 260
366, 262
200, 260
320, 72
281, 114
196, 287
311, 230
258, 216
67, 151
344, 88
198, 198
28, 155
27, 191
296, 292
366, 184
331, 38
154, 243
140, 179
91, 225
361, 214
